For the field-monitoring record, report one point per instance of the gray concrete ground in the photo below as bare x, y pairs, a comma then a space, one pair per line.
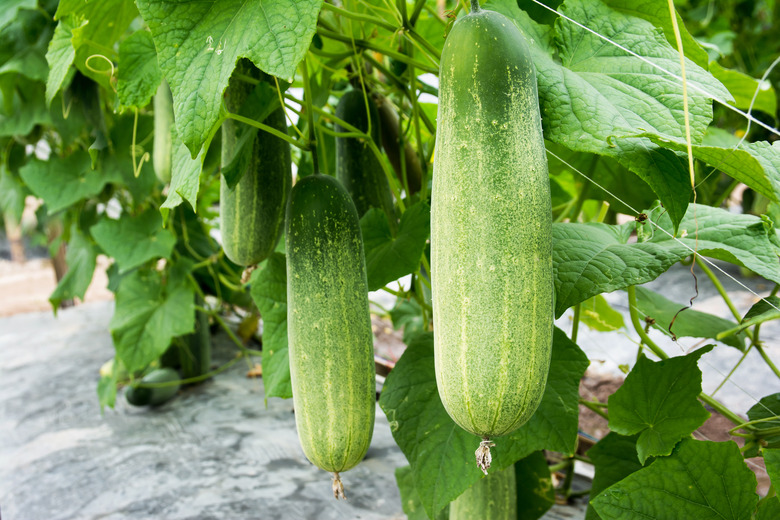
215, 452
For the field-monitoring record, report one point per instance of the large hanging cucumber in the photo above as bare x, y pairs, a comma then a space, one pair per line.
163, 123
491, 232
329, 327
252, 213
357, 167
491, 498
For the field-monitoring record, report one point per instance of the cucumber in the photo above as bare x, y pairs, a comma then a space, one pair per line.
493, 497
252, 213
163, 141
391, 142
153, 396
329, 327
357, 168
491, 232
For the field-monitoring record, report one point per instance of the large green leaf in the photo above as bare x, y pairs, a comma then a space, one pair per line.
657, 13
12, 194
132, 241
388, 258
441, 453
269, 291
689, 323
139, 74
81, 259
702, 480
200, 42
26, 107
598, 93
597, 314
658, 401
769, 509
614, 458
772, 463
185, 175
589, 259
63, 182
410, 500
150, 311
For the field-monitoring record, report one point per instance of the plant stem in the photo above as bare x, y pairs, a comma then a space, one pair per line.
632, 310
725, 194
369, 45
595, 407
234, 338
731, 372
474, 6
269, 129
310, 140
767, 360
575, 326
719, 286
359, 17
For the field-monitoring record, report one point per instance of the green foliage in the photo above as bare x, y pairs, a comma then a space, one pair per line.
702, 480
76, 133
663, 417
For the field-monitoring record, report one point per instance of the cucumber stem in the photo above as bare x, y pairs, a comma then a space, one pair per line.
338, 487
474, 9
484, 458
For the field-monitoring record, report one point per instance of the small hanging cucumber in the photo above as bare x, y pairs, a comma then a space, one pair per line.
252, 213
163, 141
357, 167
329, 327
491, 232
493, 497
391, 142
154, 396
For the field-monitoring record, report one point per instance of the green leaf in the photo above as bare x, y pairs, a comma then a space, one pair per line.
657, 13
139, 75
744, 87
598, 93
740, 164
767, 410
702, 480
772, 463
410, 500
132, 241
667, 413
768, 155
150, 311
689, 323
769, 509
764, 310
81, 259
590, 259
106, 390
12, 194
598, 315
23, 45
407, 315
269, 291
27, 108
199, 51
96, 25
614, 458
63, 182
535, 489
11, 9
59, 56
441, 454
388, 258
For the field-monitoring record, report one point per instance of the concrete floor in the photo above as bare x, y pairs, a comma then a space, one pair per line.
214, 452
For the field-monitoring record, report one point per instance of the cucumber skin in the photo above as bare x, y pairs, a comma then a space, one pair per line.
163, 140
357, 168
141, 396
493, 497
252, 213
329, 325
491, 230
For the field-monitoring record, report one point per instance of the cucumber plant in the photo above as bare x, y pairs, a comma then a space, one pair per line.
564, 218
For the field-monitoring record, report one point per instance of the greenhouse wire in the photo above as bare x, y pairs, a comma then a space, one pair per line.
658, 67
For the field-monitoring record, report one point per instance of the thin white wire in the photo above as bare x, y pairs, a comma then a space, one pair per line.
693, 86
686, 246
